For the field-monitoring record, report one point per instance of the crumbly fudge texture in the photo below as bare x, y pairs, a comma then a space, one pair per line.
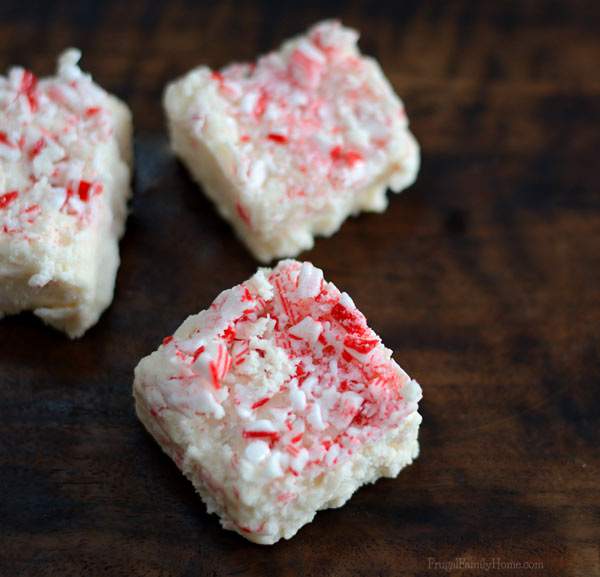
277, 401
65, 151
289, 146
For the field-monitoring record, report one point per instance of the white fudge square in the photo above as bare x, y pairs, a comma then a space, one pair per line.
289, 147
278, 401
65, 155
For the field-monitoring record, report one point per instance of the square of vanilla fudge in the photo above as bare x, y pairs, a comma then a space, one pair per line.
278, 401
65, 156
290, 146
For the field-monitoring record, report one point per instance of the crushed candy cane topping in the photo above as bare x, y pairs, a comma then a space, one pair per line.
288, 366
48, 132
315, 115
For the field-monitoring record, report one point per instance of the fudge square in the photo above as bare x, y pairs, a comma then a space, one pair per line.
289, 147
277, 401
65, 151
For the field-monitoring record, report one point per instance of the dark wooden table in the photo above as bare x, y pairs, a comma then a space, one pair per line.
483, 277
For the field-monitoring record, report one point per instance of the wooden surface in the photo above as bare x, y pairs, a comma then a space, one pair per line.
483, 277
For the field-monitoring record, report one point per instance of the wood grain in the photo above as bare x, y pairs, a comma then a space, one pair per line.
484, 278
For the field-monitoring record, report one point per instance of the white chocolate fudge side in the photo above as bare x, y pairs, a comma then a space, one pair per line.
278, 401
65, 156
289, 147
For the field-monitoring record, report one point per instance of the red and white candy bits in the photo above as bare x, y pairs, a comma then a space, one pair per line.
289, 146
277, 401
64, 182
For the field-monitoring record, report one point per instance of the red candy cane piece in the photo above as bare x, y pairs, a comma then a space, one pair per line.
7, 198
